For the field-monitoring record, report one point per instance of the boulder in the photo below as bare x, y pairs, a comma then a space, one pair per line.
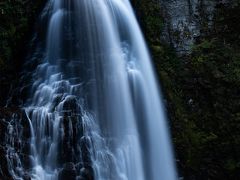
68, 172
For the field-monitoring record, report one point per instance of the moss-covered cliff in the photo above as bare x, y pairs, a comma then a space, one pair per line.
202, 90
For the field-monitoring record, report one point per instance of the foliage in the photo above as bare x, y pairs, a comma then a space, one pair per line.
149, 15
16, 17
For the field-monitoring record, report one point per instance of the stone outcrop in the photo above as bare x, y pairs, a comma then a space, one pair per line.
185, 21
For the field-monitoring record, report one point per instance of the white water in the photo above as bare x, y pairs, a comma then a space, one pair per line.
95, 100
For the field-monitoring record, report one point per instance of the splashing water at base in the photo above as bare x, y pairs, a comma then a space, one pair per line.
95, 110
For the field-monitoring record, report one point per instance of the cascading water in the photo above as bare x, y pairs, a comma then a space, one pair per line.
95, 110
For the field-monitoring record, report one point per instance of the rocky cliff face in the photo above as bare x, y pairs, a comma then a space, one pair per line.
185, 20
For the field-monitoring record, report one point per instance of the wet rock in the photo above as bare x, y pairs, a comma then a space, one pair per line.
86, 173
72, 130
26, 176
72, 133
79, 178
56, 100
26, 160
70, 106
68, 172
4, 171
85, 149
26, 126
3, 127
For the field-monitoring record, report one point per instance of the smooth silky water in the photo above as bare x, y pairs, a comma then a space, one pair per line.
95, 102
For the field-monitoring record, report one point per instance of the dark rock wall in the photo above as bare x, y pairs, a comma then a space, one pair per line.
199, 74
184, 21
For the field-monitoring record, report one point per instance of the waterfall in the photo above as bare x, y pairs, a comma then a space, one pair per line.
94, 110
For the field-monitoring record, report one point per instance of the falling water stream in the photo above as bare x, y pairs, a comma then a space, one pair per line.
95, 111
